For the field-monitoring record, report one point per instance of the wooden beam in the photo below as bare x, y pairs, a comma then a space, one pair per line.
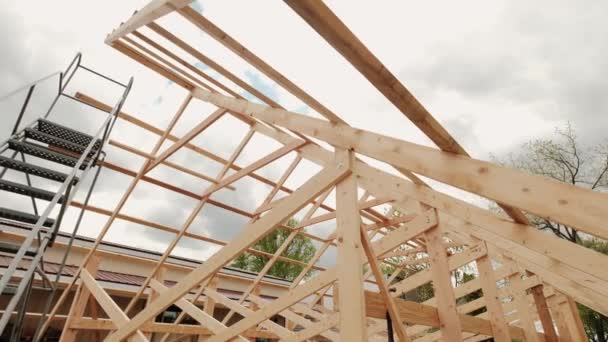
500, 331
81, 298
172, 165
136, 178
451, 329
229, 42
245, 312
108, 305
337, 34
314, 329
385, 244
416, 313
570, 205
159, 277
199, 315
291, 316
383, 287
195, 131
253, 232
575, 270
352, 323
152, 11
544, 314
523, 308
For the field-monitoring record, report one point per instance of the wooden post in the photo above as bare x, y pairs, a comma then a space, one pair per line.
349, 272
79, 303
571, 319
160, 277
577, 319
544, 314
451, 329
560, 320
521, 303
393, 312
500, 330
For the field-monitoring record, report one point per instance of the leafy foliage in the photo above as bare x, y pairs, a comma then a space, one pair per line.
301, 248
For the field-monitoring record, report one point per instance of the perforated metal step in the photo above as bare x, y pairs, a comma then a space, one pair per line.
34, 170
23, 217
44, 153
66, 133
53, 140
26, 190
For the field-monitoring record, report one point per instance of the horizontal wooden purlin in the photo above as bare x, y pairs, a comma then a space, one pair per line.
187, 234
150, 128
184, 63
570, 205
174, 188
282, 151
190, 194
184, 329
213, 65
225, 39
193, 133
152, 11
136, 55
165, 63
167, 163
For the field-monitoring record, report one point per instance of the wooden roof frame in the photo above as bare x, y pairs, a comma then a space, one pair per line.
542, 276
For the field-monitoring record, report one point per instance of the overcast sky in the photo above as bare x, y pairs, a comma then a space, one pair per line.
495, 74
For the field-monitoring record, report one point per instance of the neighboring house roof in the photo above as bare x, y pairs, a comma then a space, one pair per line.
107, 276
83, 241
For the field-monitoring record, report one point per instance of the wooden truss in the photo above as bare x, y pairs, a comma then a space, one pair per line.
525, 276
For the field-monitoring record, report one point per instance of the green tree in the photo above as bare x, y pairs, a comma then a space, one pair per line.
301, 249
564, 158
